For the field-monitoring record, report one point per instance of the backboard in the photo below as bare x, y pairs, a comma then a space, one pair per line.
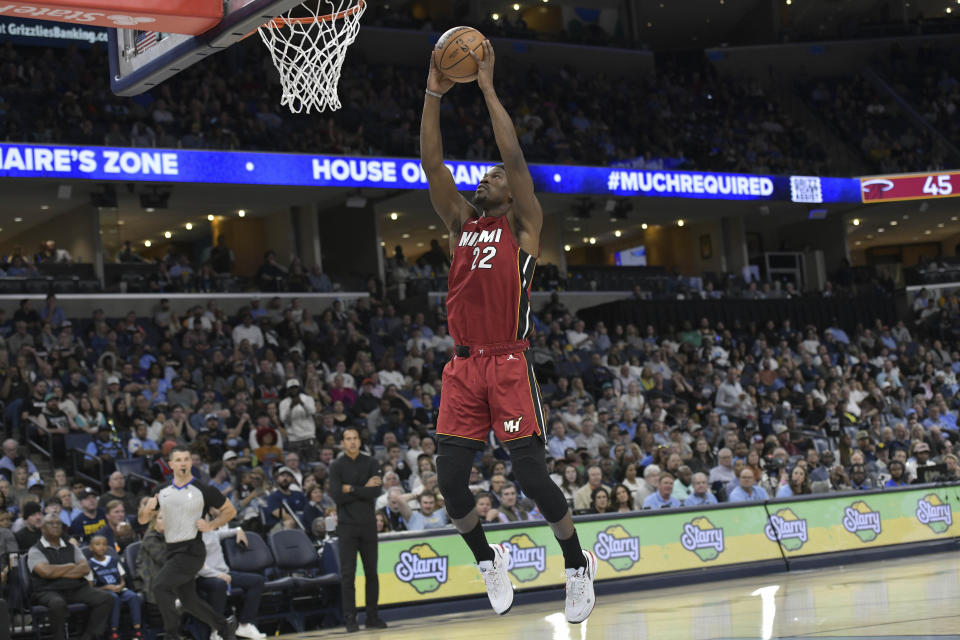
140, 60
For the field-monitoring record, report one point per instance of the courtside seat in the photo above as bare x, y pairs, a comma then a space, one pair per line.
254, 558
257, 558
39, 612
295, 554
314, 574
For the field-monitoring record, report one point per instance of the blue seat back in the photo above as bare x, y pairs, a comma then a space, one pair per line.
77, 440
293, 550
254, 558
130, 554
24, 577
126, 466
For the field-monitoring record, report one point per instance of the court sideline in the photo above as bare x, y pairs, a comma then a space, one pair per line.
912, 598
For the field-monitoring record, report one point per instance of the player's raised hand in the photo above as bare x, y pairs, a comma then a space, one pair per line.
436, 81
485, 66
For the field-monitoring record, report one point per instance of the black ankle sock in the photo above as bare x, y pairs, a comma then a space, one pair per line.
477, 541
572, 553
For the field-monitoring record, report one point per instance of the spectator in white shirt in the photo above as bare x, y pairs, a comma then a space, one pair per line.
441, 341
249, 332
418, 340
729, 395
297, 412
215, 579
198, 321
340, 369
390, 375
577, 337
589, 439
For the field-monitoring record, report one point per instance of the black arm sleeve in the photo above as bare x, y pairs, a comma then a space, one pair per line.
212, 498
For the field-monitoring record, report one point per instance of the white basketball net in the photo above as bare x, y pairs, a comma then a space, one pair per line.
308, 50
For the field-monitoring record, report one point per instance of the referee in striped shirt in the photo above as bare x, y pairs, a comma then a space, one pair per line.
183, 503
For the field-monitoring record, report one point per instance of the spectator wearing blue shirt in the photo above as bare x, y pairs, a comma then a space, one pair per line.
898, 476
154, 394
105, 448
11, 458
296, 500
700, 492
748, 491
139, 444
838, 334
934, 419
108, 576
91, 520
799, 484
559, 442
68, 512
859, 481
427, 517
663, 497
52, 313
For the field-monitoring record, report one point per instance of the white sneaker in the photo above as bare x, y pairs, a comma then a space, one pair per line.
495, 576
214, 635
248, 630
580, 597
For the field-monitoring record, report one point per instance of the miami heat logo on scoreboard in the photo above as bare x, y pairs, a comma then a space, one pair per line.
914, 186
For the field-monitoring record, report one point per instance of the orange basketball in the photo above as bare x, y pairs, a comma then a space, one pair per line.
452, 53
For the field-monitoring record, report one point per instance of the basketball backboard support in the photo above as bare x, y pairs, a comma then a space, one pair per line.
140, 60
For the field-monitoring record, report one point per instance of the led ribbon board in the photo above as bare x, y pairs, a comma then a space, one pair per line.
254, 168
912, 186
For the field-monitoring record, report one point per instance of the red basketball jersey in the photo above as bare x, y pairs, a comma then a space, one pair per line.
489, 285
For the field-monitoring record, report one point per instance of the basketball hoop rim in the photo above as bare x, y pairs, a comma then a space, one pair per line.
279, 22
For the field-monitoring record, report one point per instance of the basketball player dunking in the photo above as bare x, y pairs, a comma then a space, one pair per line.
489, 383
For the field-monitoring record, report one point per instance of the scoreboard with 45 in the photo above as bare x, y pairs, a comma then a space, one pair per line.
917, 186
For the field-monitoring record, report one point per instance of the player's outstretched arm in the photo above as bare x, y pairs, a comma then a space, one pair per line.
444, 197
525, 202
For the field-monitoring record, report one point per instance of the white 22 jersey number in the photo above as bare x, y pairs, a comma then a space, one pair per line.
484, 263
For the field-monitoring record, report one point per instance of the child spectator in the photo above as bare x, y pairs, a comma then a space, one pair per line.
108, 576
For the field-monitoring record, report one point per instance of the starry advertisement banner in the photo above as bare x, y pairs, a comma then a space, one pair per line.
860, 521
439, 565
285, 169
432, 567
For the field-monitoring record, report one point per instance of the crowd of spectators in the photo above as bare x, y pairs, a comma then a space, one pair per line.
178, 271
872, 122
427, 273
927, 78
638, 418
215, 270
24, 265
401, 16
684, 112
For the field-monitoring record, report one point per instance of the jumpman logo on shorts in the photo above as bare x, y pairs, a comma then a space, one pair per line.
511, 357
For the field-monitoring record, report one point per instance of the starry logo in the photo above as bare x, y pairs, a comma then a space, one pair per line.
932, 512
702, 538
787, 529
527, 560
422, 568
862, 521
617, 547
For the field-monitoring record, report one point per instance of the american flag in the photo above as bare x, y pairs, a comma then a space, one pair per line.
145, 40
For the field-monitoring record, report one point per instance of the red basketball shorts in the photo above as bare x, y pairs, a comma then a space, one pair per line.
483, 392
